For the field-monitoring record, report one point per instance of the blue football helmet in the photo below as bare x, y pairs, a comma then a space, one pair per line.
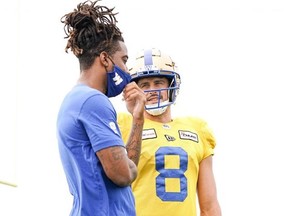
152, 62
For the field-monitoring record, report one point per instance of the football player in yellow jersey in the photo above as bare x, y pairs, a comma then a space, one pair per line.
175, 166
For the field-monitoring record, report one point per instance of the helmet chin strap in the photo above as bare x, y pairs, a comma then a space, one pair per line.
157, 109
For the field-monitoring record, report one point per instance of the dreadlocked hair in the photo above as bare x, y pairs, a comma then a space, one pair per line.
91, 29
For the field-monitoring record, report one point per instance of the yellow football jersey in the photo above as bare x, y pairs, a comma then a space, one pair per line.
169, 164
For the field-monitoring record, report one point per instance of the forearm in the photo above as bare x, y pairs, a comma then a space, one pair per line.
133, 146
206, 189
214, 210
211, 213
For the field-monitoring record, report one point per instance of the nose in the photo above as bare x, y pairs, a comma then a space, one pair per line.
153, 95
152, 92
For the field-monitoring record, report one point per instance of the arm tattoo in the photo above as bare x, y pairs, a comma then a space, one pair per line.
133, 145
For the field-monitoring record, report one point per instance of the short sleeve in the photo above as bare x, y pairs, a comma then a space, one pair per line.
209, 142
100, 121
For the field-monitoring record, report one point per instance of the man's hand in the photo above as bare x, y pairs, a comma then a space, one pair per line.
135, 99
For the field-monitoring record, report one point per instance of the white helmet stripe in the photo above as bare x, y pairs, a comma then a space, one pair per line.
148, 57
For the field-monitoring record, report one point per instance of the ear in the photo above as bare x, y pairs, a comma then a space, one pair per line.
104, 59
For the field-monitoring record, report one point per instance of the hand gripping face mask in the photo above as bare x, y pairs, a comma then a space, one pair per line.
117, 79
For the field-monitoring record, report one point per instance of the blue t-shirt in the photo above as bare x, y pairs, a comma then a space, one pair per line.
87, 123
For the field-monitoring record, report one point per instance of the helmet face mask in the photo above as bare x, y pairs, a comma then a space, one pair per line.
153, 63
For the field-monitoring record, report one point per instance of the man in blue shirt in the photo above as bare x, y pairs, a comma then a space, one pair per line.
99, 166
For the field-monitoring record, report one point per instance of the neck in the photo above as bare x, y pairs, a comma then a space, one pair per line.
94, 78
